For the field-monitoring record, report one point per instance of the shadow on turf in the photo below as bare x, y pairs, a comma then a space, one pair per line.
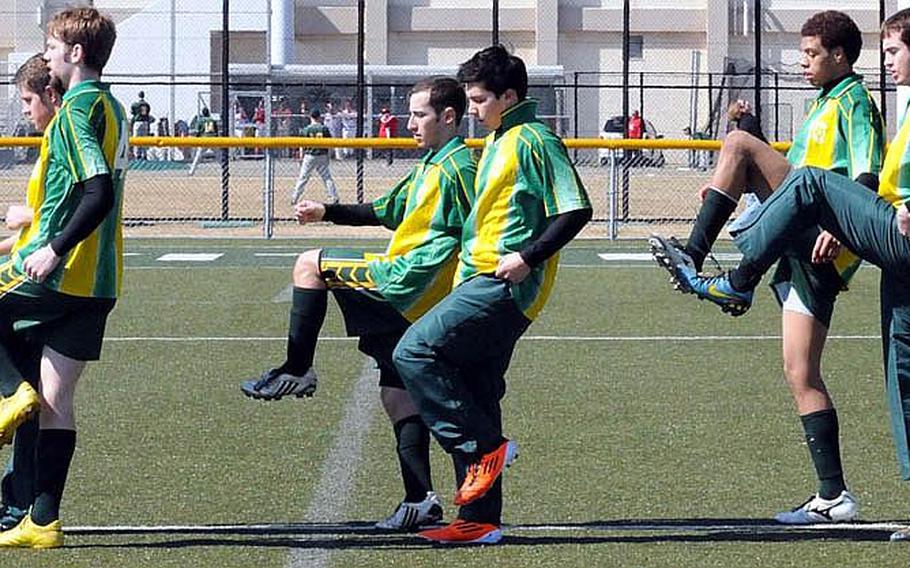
361, 535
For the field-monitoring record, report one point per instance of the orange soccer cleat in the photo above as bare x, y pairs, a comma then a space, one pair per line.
464, 532
484, 473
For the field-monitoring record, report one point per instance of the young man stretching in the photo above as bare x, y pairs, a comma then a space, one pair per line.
64, 275
843, 133
875, 227
529, 203
381, 294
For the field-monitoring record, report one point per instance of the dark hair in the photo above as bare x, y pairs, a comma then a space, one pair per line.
898, 22
141, 94
444, 92
497, 70
315, 113
835, 29
95, 32
34, 76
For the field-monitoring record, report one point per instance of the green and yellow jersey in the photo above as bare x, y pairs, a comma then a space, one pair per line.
843, 133
426, 209
524, 177
87, 137
894, 181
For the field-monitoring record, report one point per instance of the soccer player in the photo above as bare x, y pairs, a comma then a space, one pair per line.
529, 203
875, 227
40, 97
381, 294
843, 133
63, 277
315, 159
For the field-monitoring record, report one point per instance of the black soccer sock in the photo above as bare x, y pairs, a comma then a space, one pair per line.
55, 452
308, 307
822, 433
10, 364
412, 439
744, 277
714, 213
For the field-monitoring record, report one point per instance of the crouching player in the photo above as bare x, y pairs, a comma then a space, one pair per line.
381, 294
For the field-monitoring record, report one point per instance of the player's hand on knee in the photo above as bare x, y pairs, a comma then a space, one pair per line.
903, 220
308, 211
41, 263
826, 248
513, 268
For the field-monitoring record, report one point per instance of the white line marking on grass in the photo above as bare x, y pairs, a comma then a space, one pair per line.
646, 256
189, 257
336, 481
592, 338
285, 295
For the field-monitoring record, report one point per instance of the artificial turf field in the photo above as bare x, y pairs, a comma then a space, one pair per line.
654, 430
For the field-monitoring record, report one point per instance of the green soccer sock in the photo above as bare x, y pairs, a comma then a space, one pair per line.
822, 436
713, 215
55, 453
308, 306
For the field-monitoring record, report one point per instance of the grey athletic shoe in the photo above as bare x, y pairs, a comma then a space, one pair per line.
412, 516
816, 510
275, 385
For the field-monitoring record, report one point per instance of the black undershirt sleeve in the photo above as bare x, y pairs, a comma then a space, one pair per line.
96, 202
359, 214
868, 180
559, 232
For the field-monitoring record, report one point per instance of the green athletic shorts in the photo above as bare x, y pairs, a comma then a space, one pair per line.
367, 314
71, 325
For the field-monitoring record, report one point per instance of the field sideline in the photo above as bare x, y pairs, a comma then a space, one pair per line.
654, 430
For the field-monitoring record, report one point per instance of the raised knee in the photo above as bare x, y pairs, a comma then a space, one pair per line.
306, 268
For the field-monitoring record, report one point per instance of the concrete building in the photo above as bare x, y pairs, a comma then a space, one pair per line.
674, 45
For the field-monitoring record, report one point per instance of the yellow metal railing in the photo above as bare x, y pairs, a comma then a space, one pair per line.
383, 143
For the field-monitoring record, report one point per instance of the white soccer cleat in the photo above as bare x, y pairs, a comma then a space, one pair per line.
816, 510
275, 385
412, 516
900, 535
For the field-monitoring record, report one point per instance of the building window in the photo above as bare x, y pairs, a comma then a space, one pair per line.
636, 46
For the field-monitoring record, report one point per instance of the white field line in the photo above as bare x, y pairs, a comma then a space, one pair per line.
555, 338
336, 481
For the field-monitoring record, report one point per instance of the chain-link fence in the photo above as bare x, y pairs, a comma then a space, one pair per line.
676, 65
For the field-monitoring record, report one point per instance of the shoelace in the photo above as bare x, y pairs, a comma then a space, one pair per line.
266, 379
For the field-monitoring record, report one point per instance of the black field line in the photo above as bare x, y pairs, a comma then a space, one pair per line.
336, 480
343, 528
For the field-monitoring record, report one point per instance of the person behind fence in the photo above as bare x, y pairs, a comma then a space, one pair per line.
529, 203
315, 159
380, 294
844, 133
348, 125
635, 131
202, 125
388, 129
873, 224
64, 274
740, 117
142, 120
40, 96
